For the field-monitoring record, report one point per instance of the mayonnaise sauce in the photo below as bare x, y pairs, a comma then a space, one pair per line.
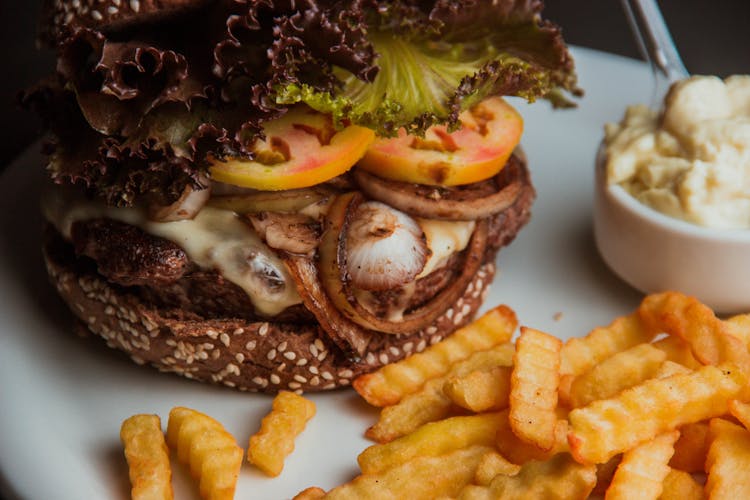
692, 160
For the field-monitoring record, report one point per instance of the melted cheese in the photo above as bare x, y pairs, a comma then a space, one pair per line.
214, 239
444, 238
218, 239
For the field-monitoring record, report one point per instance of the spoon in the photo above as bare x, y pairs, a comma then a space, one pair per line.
655, 44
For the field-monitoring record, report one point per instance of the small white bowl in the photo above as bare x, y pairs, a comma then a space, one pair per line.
654, 252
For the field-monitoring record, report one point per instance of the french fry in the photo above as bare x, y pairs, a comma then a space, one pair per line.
311, 493
739, 326
212, 453
557, 478
268, 448
691, 448
533, 387
728, 461
519, 452
669, 368
388, 385
687, 318
678, 351
419, 478
481, 390
643, 469
491, 465
740, 411
578, 355
148, 458
430, 402
679, 485
651, 408
432, 439
616, 373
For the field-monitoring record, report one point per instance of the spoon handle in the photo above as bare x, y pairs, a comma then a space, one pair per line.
654, 42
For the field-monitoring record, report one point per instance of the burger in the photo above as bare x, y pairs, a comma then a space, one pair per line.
285, 195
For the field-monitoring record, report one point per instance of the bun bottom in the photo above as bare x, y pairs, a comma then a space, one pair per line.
258, 356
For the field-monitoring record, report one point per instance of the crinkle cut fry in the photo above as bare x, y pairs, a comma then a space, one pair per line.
430, 403
148, 458
650, 408
268, 448
643, 469
533, 388
728, 461
388, 385
686, 317
210, 451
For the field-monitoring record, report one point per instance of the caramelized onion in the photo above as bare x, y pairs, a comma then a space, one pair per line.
474, 201
186, 206
336, 278
297, 234
385, 247
348, 336
252, 202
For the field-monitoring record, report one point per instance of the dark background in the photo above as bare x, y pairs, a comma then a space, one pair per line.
712, 36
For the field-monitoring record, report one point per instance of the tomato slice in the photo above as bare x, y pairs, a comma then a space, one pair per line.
477, 151
301, 149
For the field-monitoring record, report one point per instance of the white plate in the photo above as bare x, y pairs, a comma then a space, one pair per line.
62, 399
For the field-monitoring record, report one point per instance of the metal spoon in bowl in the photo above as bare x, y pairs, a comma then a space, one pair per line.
655, 44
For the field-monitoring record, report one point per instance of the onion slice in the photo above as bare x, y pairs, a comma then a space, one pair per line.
385, 247
348, 336
336, 279
253, 202
474, 201
186, 207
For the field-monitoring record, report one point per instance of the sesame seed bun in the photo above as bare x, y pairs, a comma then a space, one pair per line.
247, 355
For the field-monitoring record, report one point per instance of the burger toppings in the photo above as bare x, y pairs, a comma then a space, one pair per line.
385, 248
335, 271
469, 202
186, 206
300, 149
488, 133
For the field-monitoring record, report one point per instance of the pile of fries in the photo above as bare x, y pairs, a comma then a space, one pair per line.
636, 409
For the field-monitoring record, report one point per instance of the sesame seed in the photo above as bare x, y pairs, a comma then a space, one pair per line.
263, 330
370, 359
271, 354
224, 339
313, 350
319, 344
282, 346
302, 362
322, 355
432, 329
294, 385
229, 383
238, 331
327, 375
408, 347
313, 369
96, 15
315, 380
239, 357
275, 379
290, 355
250, 345
346, 373
383, 358
393, 350
421, 345
135, 5
215, 354
300, 378
212, 334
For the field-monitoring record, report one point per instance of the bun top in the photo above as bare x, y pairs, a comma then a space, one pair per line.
64, 16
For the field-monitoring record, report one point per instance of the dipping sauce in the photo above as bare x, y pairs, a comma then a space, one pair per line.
690, 160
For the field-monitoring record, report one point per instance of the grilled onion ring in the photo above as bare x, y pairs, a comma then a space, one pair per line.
471, 202
336, 280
